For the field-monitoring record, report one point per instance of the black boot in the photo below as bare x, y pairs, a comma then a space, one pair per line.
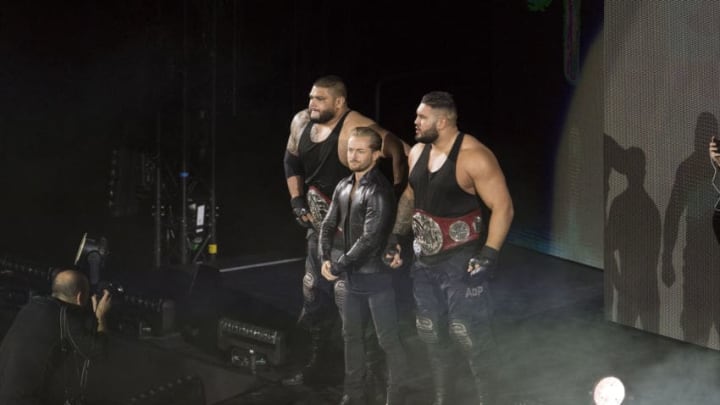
442, 382
376, 377
485, 383
310, 373
352, 400
396, 395
376, 384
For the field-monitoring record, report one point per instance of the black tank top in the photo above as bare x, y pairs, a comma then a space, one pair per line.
438, 193
320, 160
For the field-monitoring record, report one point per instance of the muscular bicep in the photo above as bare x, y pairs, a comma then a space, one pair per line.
414, 155
291, 161
394, 149
298, 123
405, 209
489, 184
487, 179
392, 146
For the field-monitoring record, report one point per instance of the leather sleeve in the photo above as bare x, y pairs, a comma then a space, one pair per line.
379, 216
329, 225
91, 344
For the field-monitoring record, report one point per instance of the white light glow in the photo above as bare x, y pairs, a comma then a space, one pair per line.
609, 391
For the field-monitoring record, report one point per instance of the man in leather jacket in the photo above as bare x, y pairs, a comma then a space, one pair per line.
352, 240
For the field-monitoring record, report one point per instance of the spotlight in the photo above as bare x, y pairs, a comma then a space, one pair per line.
90, 257
609, 391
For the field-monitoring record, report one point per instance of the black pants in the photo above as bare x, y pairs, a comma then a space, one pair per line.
378, 306
448, 307
323, 300
318, 293
446, 304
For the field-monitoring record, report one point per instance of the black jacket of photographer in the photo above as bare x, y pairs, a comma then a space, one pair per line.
359, 226
36, 365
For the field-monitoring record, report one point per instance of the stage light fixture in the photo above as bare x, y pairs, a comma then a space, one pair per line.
142, 315
90, 257
21, 280
609, 391
258, 341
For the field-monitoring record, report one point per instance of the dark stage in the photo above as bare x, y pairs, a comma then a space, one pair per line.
550, 328
161, 125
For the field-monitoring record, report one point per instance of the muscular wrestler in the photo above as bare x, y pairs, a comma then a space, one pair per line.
451, 175
315, 161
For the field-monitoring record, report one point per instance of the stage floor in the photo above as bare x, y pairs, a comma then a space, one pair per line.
554, 340
549, 324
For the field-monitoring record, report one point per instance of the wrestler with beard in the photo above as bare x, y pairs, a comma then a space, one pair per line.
452, 175
315, 161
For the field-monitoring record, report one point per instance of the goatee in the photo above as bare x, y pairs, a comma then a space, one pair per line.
428, 136
323, 117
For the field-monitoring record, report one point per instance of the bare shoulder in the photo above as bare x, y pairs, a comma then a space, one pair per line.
300, 119
414, 153
475, 158
356, 119
297, 125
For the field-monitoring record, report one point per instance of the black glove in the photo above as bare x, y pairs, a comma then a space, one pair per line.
483, 264
340, 266
336, 270
300, 209
390, 249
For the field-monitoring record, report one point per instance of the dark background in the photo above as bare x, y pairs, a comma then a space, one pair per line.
82, 80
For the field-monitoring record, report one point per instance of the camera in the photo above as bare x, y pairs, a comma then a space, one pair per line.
114, 289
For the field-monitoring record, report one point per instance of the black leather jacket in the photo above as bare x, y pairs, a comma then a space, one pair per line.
33, 367
359, 227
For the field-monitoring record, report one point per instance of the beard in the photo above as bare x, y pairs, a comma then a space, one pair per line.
358, 166
428, 136
323, 117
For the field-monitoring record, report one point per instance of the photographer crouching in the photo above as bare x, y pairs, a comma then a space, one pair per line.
46, 353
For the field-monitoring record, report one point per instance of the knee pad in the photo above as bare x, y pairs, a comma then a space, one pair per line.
309, 285
427, 330
340, 292
459, 332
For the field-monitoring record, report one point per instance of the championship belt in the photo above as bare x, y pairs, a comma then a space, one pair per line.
318, 204
436, 234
